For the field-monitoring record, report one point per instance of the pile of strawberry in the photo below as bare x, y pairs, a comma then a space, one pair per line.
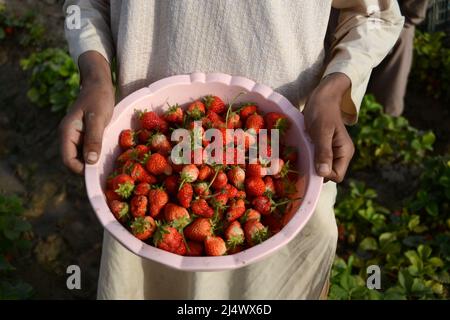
201, 209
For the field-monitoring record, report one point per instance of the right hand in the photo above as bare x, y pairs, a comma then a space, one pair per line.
81, 130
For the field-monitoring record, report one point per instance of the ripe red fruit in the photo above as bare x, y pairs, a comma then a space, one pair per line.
262, 204
138, 206
234, 121
254, 170
220, 181
234, 234
215, 246
199, 229
151, 121
112, 195
275, 120
230, 191
138, 173
171, 183
144, 135
169, 239
185, 195
235, 210
247, 110
290, 154
214, 103
201, 208
195, 249
255, 122
123, 185
250, 214
189, 173
255, 232
255, 186
270, 186
158, 199
196, 110
126, 139
205, 172
143, 227
142, 189
236, 176
119, 209
159, 143
201, 189
174, 114
156, 164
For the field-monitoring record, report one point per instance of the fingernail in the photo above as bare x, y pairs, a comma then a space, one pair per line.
92, 156
323, 169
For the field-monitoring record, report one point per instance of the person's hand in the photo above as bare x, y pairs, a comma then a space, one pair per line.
81, 130
333, 146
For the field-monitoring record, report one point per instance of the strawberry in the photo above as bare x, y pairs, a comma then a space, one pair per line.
194, 249
230, 191
255, 122
156, 164
201, 189
112, 195
138, 173
212, 120
199, 229
174, 213
123, 185
273, 223
127, 139
255, 186
119, 209
144, 135
234, 234
151, 121
262, 204
241, 194
171, 184
215, 246
236, 176
289, 154
158, 199
270, 186
138, 206
185, 194
174, 114
129, 154
250, 214
255, 232
205, 172
275, 120
201, 208
189, 174
196, 110
159, 143
143, 227
141, 152
247, 110
220, 181
254, 170
214, 103
235, 210
142, 189
283, 187
169, 239
233, 121
219, 200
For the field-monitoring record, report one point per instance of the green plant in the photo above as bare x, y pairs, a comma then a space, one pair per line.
431, 65
12, 241
382, 139
54, 80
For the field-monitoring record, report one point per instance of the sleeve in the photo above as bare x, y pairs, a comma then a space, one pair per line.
93, 33
414, 11
366, 32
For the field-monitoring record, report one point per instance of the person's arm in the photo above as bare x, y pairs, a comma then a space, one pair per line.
81, 130
362, 40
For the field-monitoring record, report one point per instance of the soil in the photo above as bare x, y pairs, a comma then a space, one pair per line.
65, 229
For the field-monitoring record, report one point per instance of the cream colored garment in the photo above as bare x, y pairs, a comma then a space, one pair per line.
297, 271
276, 42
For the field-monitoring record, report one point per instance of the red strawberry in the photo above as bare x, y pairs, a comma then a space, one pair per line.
142, 189
273, 223
201, 189
159, 143
236, 176
174, 213
156, 164
262, 204
234, 121
255, 122
126, 139
158, 199
185, 195
195, 249
214, 103
241, 194
247, 110
250, 214
212, 120
144, 135
205, 172
174, 114
201, 208
189, 173
171, 183
290, 154
220, 181
196, 110
230, 191
220, 200
112, 195
138, 173
275, 120
143, 227
254, 170
141, 152
169, 239
235, 210
234, 234
255, 186
119, 209
199, 229
270, 186
127, 155
255, 232
123, 185
284, 188
151, 121
215, 246
138, 206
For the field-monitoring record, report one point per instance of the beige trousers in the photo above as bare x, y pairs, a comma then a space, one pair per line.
300, 270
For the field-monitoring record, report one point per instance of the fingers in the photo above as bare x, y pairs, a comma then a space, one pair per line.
95, 125
70, 139
322, 137
343, 151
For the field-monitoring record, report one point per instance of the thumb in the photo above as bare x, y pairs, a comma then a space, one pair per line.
322, 137
95, 125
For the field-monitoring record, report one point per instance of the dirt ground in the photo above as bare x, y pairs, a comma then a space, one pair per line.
65, 228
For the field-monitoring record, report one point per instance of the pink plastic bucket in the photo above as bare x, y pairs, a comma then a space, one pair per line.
182, 89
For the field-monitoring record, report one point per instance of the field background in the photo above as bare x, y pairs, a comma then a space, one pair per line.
393, 209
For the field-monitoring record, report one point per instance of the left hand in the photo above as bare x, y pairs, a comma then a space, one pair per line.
333, 146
